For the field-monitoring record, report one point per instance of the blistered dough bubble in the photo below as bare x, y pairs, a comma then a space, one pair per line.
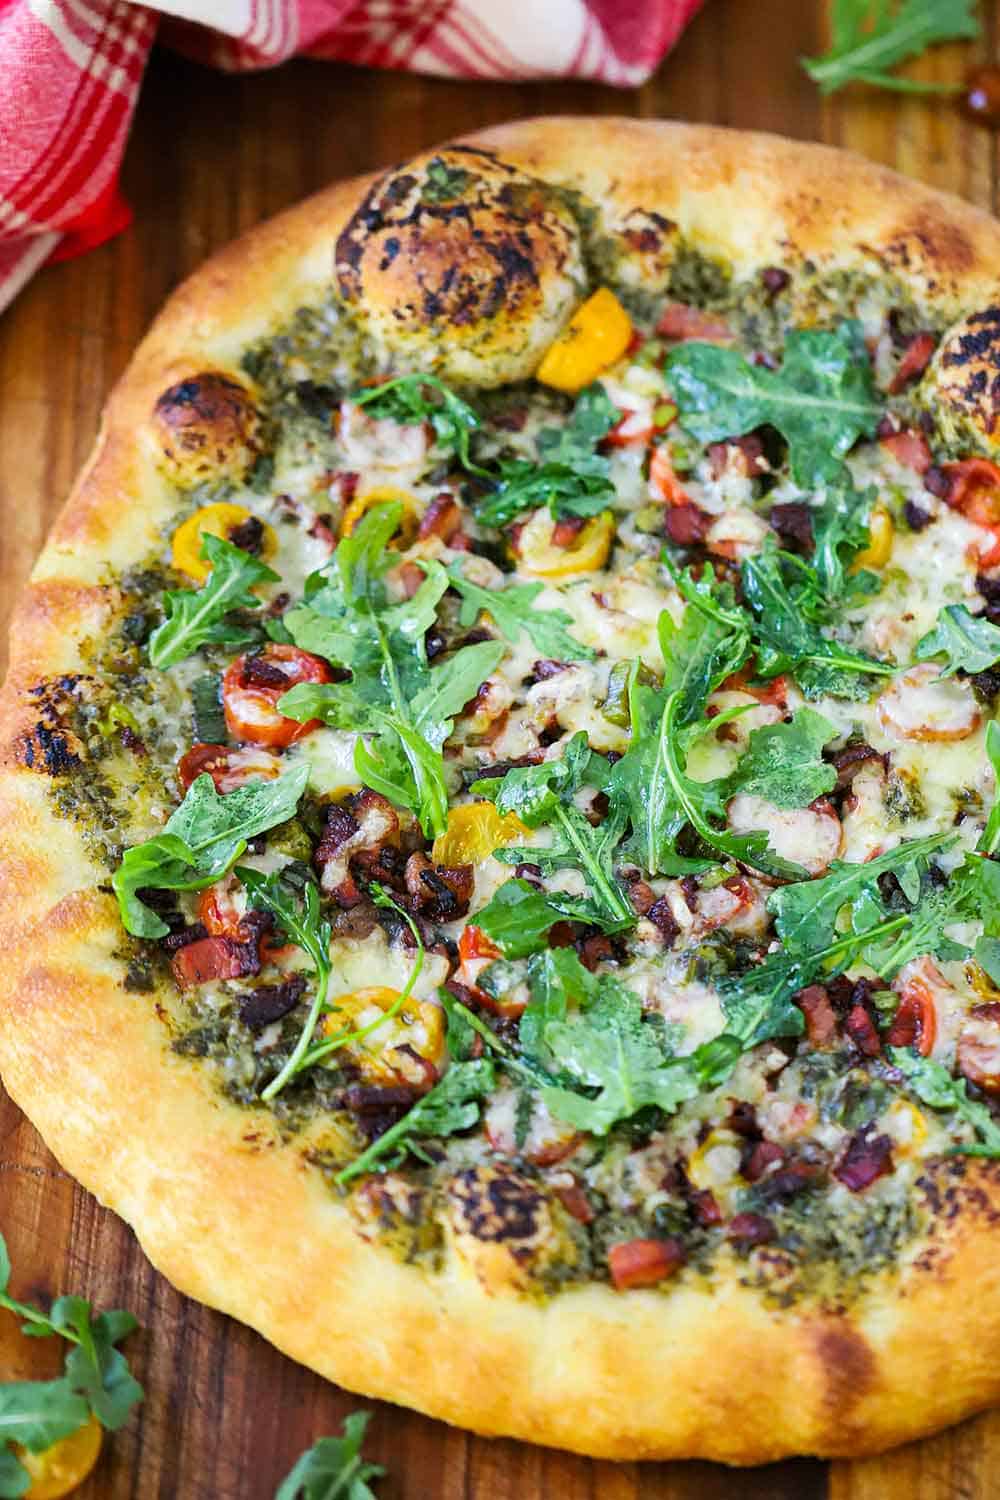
460, 264
962, 386
207, 429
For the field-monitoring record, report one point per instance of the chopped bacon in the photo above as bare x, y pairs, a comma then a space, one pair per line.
644, 1262
861, 1030
706, 1208
762, 1154
440, 892
680, 321
750, 1229
574, 1200
916, 357
214, 958
866, 1158
793, 521
269, 1002
366, 822
821, 1021
740, 455
909, 448
442, 518
848, 762
686, 524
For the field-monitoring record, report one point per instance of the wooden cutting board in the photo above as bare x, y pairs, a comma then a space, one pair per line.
225, 1415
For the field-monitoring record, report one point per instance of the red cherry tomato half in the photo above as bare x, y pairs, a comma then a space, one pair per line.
228, 768
252, 687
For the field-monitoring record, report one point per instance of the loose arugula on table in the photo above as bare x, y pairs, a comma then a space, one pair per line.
545, 795
333, 1468
966, 642
821, 399
197, 617
200, 842
96, 1379
403, 707
869, 37
512, 609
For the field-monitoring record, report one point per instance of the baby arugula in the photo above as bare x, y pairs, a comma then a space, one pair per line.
822, 399
402, 707
333, 1468
197, 617
513, 610
871, 36
415, 399
451, 1105
201, 840
545, 795
967, 642
935, 1086
96, 1379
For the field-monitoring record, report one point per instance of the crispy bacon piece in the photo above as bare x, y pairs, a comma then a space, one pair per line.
916, 357
750, 1229
848, 762
686, 524
742, 455
644, 1262
861, 1030
365, 823
214, 958
680, 321
762, 1155
821, 1020
866, 1158
793, 522
269, 1002
574, 1200
442, 518
440, 892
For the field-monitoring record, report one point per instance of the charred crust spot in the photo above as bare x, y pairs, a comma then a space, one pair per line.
207, 425
498, 1207
847, 1364
936, 241
50, 746
983, 335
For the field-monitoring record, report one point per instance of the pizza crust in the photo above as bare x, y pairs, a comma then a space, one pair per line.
239, 1220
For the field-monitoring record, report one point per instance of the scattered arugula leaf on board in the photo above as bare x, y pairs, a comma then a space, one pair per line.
200, 841
545, 795
513, 610
415, 399
333, 1468
871, 36
197, 617
405, 706
822, 399
783, 762
967, 642
297, 913
451, 1105
96, 1379
935, 1086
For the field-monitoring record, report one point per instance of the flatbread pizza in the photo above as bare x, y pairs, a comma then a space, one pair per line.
499, 817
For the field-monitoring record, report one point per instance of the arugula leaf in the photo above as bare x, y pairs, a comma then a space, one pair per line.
196, 617
405, 400
805, 914
871, 36
512, 609
299, 919
450, 1105
518, 917
96, 1378
968, 643
201, 840
840, 531
821, 400
611, 1049
935, 1086
570, 477
789, 641
989, 841
783, 762
555, 978
405, 705
544, 794
333, 1469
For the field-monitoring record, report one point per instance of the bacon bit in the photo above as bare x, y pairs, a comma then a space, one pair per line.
321, 530
793, 522
574, 1201
680, 321
439, 892
662, 918
705, 1208
269, 1002
775, 279
686, 525
762, 1155
566, 531
595, 950
774, 692
442, 518
917, 356
909, 448
741, 455
644, 1262
642, 897
848, 762
750, 1229
861, 1030
214, 958
821, 1021
664, 480
866, 1158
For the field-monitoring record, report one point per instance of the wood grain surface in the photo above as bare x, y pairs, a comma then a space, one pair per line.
225, 1414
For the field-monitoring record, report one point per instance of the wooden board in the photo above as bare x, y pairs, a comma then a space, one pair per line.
225, 1415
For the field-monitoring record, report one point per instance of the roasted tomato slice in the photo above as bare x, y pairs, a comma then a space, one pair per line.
252, 687
228, 768
974, 489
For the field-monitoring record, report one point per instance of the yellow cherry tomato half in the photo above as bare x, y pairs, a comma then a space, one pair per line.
474, 831
881, 531
595, 338
539, 556
388, 1039
383, 494
221, 520
59, 1469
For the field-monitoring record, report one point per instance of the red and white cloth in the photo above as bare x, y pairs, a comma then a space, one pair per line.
70, 72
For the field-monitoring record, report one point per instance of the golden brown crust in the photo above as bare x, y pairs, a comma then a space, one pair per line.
208, 427
238, 1219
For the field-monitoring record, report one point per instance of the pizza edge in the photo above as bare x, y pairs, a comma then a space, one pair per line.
709, 1371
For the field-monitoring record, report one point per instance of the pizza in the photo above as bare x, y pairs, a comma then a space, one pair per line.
499, 814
